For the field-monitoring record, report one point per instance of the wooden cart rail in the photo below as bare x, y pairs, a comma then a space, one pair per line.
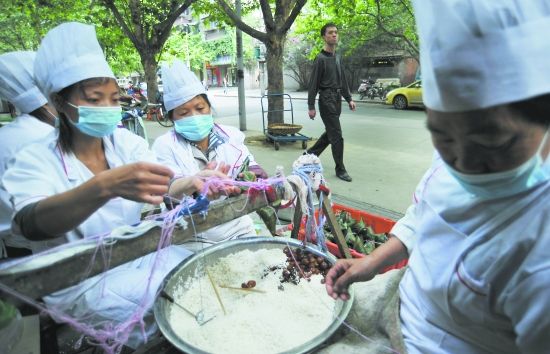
66, 271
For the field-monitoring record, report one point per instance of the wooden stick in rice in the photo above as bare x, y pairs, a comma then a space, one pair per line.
242, 289
216, 291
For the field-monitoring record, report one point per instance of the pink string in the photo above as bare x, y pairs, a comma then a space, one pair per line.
111, 336
260, 184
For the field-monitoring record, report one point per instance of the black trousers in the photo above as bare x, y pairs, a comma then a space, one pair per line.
330, 108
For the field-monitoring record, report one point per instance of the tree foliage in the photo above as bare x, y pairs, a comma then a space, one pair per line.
183, 46
24, 23
147, 24
277, 17
297, 60
194, 47
378, 25
367, 28
119, 51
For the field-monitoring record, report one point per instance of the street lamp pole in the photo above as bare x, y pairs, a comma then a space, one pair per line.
240, 71
188, 59
262, 75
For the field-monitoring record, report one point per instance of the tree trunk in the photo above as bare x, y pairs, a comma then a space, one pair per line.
275, 83
150, 68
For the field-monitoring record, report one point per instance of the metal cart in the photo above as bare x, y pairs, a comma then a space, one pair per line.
284, 132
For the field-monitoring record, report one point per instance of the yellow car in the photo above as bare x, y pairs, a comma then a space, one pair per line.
404, 97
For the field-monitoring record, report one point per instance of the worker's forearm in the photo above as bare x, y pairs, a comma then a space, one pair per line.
391, 252
345, 88
65, 211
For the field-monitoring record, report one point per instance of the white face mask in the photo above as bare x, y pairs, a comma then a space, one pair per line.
504, 184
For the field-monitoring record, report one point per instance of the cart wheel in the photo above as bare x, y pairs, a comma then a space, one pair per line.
276, 144
304, 144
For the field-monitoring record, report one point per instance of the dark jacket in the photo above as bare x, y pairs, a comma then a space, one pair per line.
325, 75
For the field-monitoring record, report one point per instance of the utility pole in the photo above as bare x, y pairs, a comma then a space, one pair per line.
240, 71
262, 76
187, 32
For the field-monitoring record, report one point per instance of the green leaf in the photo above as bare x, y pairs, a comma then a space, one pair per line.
7, 313
369, 247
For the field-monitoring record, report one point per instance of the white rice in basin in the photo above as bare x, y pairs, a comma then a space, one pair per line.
270, 322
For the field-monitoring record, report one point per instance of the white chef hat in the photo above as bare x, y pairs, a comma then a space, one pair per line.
69, 53
180, 84
481, 53
16, 81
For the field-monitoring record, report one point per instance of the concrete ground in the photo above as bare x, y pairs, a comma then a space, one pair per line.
386, 151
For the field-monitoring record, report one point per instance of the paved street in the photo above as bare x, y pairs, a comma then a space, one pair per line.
386, 151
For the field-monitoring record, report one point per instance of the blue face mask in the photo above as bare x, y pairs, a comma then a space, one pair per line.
194, 128
97, 121
504, 184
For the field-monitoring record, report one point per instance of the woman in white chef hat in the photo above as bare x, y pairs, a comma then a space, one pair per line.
34, 123
197, 143
88, 178
478, 233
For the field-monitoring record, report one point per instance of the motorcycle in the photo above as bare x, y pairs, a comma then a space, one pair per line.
376, 91
364, 88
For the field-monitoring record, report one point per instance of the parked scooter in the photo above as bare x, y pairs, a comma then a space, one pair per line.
132, 118
376, 91
364, 87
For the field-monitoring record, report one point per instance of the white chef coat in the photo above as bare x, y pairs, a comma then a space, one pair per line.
185, 159
24, 130
478, 271
42, 170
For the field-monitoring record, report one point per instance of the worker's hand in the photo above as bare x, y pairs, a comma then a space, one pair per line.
141, 182
344, 273
311, 114
351, 105
258, 171
215, 168
219, 183
215, 186
212, 181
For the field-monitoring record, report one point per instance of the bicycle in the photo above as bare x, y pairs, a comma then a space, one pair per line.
156, 111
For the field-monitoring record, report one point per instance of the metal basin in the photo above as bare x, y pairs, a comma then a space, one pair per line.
187, 269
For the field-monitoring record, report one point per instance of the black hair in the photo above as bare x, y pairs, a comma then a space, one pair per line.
535, 110
12, 110
324, 28
43, 115
170, 113
65, 127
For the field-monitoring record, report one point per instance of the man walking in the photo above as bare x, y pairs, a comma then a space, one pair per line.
329, 80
